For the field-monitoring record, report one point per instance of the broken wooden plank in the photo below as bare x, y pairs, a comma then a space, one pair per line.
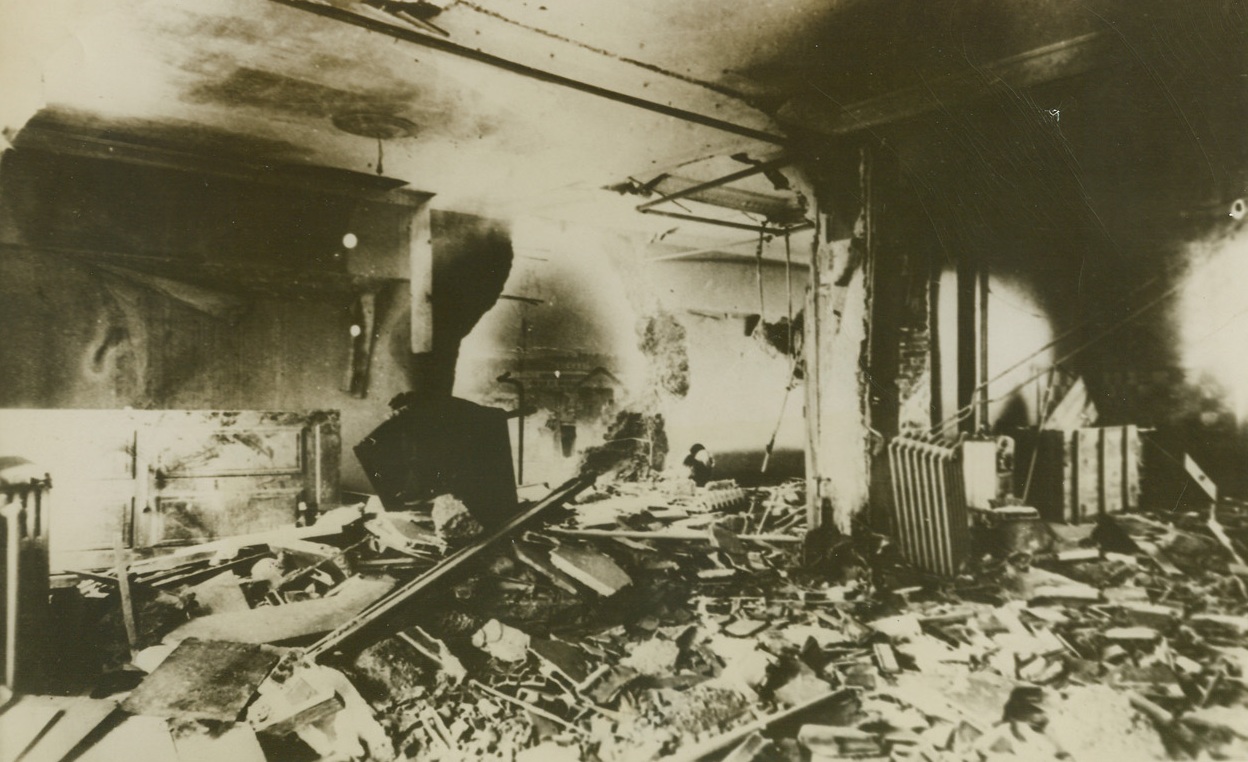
717, 744
1088, 476
667, 535
537, 558
1137, 634
1078, 554
1112, 492
1131, 464
219, 594
282, 708
203, 680
123, 592
1201, 478
886, 658
565, 658
445, 570
274, 624
592, 569
754, 747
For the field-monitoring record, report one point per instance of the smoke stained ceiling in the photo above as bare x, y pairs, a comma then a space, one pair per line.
261, 82
265, 81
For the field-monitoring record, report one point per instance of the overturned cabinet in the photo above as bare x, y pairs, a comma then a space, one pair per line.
443, 446
1076, 475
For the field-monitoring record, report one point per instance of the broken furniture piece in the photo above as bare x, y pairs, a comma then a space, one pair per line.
1077, 475
203, 680
435, 447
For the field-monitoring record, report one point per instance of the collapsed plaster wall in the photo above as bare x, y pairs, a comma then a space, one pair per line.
592, 327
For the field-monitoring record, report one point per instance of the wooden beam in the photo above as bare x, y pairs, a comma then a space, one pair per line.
1027, 69
248, 279
69, 141
676, 535
372, 616
833, 701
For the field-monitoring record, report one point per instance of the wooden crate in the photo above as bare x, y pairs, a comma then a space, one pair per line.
1079, 474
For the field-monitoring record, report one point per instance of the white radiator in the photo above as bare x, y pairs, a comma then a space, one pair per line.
931, 518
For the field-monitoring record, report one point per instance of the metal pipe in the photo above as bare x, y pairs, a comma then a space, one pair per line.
693, 190
728, 223
437, 43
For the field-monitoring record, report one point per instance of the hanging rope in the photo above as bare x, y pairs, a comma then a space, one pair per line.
758, 275
788, 289
784, 401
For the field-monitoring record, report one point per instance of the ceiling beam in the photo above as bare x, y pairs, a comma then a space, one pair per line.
774, 230
447, 46
1027, 69
693, 190
70, 142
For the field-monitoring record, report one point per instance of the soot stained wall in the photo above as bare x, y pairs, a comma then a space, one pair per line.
82, 336
1099, 203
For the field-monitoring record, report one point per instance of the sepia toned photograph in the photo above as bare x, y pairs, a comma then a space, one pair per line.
623, 381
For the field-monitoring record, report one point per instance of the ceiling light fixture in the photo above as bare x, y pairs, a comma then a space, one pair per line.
376, 125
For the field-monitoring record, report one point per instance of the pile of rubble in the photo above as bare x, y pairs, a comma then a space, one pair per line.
663, 621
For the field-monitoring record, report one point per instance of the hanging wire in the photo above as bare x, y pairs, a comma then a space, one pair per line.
758, 274
963, 412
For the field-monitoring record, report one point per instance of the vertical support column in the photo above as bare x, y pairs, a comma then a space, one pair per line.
982, 420
937, 371
886, 291
836, 398
811, 359
968, 369
421, 258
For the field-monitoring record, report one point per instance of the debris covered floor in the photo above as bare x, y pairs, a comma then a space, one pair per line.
636, 621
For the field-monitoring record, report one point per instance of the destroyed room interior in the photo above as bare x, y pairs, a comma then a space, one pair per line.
558, 380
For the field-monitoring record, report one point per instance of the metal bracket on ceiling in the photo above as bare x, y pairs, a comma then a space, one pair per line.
693, 190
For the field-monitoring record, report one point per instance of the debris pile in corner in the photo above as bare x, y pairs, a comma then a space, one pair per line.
637, 621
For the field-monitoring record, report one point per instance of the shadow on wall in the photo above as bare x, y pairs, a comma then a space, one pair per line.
472, 259
76, 339
70, 340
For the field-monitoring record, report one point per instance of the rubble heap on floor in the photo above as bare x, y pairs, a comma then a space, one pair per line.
659, 621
